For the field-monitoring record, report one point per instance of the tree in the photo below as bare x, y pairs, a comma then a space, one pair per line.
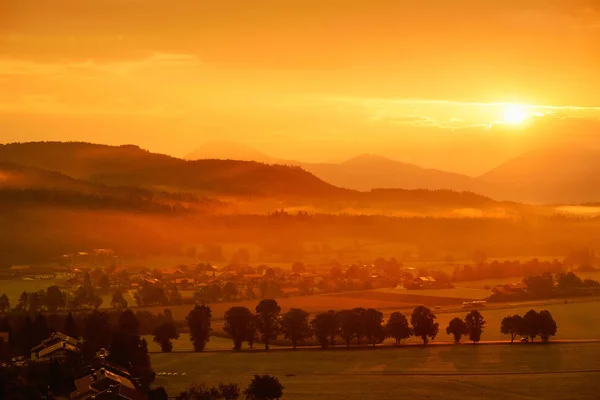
475, 324
129, 323
294, 325
397, 327
264, 387
457, 328
567, 281
229, 291
373, 326
97, 333
4, 303
55, 299
267, 315
104, 282
530, 324
239, 325
34, 301
541, 285
203, 392
209, 293
298, 267
130, 351
163, 334
118, 301
349, 322
424, 325
325, 327
546, 325
40, 328
513, 326
229, 391
23, 302
71, 326
199, 323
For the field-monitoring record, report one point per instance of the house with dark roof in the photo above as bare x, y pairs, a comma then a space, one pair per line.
106, 383
57, 346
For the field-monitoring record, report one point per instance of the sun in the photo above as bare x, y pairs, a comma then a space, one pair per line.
515, 114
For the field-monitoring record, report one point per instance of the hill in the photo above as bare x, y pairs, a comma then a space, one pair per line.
548, 175
367, 172
131, 166
222, 150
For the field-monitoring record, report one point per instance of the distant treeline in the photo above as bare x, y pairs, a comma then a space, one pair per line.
74, 199
37, 235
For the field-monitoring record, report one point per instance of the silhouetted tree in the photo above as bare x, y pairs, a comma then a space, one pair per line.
264, 387
298, 267
397, 327
373, 326
97, 333
546, 325
104, 282
71, 326
513, 326
457, 328
530, 324
229, 391
423, 323
325, 327
239, 325
294, 325
4, 303
229, 291
54, 299
164, 334
40, 328
349, 322
200, 327
541, 285
267, 320
118, 301
475, 324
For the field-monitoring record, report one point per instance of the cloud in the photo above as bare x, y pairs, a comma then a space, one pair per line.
450, 114
156, 61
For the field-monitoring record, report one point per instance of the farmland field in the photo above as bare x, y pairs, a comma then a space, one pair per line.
558, 371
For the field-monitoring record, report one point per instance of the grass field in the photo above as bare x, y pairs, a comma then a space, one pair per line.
449, 372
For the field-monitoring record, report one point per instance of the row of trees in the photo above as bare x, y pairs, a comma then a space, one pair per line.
360, 325
531, 325
267, 323
52, 300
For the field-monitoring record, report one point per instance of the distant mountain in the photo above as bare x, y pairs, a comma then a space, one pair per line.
368, 172
228, 151
562, 174
131, 166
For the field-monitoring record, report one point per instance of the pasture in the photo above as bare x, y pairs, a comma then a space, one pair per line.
556, 371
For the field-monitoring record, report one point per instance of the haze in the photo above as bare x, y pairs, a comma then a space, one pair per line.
424, 82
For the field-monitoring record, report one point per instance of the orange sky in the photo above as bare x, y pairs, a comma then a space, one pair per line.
313, 80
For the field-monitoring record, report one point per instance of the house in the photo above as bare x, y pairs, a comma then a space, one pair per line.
106, 382
426, 281
510, 289
57, 346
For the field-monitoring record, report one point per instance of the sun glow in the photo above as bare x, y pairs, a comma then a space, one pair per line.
515, 114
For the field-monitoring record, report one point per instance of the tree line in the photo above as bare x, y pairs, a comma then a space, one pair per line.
358, 325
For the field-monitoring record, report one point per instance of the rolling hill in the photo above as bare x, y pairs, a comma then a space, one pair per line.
547, 175
131, 166
368, 172
556, 173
